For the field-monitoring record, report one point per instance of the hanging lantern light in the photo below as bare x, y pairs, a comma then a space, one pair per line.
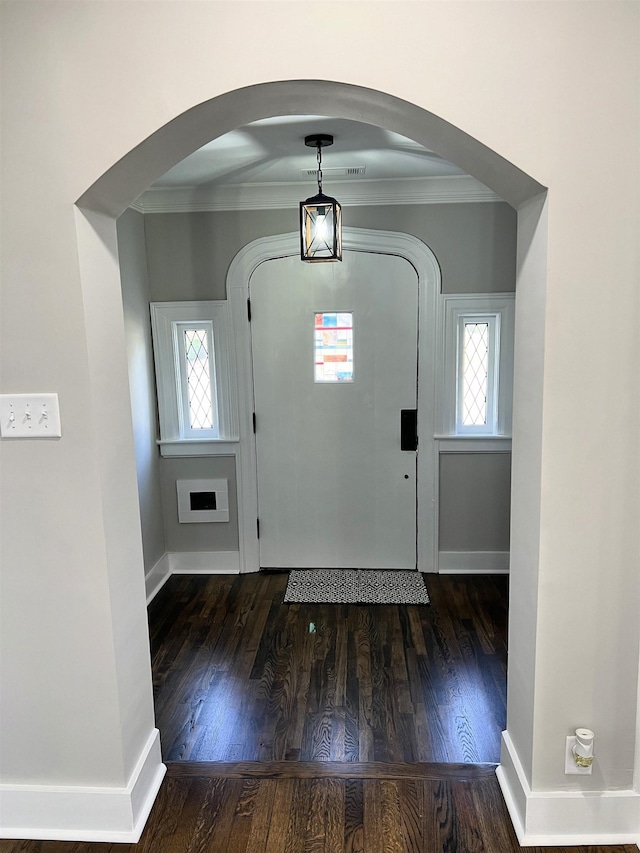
320, 216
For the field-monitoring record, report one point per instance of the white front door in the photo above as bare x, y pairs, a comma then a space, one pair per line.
335, 489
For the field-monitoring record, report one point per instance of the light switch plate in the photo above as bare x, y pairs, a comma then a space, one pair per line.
29, 416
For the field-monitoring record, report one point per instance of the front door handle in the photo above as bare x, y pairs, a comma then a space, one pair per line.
408, 429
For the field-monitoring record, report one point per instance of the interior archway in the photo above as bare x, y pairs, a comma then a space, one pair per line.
121, 185
114, 191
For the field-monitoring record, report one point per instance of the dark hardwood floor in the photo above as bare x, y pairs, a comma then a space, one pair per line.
238, 676
200, 812
377, 733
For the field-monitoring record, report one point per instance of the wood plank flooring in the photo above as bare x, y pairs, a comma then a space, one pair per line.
372, 735
239, 677
212, 814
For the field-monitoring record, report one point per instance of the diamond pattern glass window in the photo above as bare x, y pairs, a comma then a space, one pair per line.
333, 346
196, 351
475, 373
475, 339
194, 375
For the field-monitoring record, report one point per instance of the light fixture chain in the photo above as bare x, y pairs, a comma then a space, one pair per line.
319, 168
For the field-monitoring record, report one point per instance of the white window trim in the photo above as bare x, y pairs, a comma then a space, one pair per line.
498, 310
168, 321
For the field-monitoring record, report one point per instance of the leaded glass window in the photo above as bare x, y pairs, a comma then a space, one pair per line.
193, 374
475, 367
196, 351
196, 378
477, 373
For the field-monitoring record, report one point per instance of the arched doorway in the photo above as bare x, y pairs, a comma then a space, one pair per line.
100, 205
244, 265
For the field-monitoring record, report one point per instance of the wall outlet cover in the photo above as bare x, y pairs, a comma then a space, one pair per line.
570, 766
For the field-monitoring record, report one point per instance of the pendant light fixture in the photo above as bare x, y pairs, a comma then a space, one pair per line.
320, 215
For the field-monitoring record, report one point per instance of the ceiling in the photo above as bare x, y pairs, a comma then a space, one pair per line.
272, 151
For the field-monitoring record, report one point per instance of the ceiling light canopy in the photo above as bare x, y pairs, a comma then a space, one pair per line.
320, 215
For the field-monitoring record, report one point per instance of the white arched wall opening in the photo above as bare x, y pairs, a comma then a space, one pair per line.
111, 194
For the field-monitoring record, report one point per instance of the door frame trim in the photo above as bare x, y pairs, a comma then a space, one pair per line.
420, 256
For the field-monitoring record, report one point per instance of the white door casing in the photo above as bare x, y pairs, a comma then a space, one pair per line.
335, 489
360, 240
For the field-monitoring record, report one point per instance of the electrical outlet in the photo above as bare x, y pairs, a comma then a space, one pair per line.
570, 766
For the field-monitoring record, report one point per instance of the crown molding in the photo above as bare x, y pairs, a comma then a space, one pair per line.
453, 189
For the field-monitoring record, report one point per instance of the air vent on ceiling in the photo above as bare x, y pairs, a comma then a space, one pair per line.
336, 172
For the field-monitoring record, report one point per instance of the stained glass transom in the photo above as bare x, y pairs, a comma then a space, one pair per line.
333, 346
196, 346
475, 354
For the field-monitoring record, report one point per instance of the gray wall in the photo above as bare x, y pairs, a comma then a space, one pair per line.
157, 476
475, 490
475, 244
209, 536
136, 297
188, 256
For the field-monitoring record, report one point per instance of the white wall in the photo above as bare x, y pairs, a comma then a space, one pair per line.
552, 87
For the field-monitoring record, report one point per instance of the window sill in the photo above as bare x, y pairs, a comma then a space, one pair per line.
473, 443
198, 447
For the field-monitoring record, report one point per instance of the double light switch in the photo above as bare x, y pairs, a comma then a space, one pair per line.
29, 416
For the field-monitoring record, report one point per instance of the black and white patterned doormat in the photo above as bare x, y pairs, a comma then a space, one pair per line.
356, 586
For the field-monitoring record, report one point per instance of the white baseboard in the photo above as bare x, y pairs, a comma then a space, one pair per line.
228, 563
473, 562
205, 562
565, 818
157, 577
115, 815
190, 563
